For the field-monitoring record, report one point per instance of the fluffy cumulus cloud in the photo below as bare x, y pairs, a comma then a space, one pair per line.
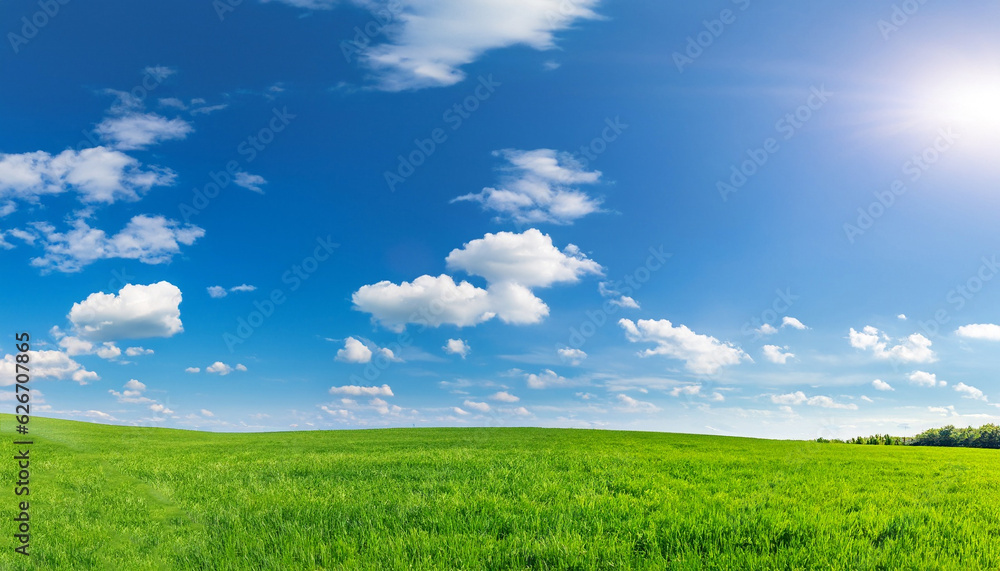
775, 354
701, 354
528, 259
571, 356
140, 130
913, 349
986, 331
47, 365
539, 186
456, 347
357, 351
355, 390
220, 368
799, 397
137, 311
925, 379
545, 380
137, 351
149, 239
880, 385
98, 175
511, 263
429, 42
970, 392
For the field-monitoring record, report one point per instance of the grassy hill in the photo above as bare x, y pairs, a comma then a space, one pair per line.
110, 497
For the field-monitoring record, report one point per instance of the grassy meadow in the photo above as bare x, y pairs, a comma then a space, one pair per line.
111, 497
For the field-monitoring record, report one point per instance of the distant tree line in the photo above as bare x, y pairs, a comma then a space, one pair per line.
986, 436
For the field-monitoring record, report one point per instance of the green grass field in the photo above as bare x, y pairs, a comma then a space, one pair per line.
110, 497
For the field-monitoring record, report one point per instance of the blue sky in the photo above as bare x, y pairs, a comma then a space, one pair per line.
723, 218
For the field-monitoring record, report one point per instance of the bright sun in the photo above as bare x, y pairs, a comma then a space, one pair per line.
969, 101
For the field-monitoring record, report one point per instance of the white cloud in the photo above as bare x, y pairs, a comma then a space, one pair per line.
354, 351
137, 351
46, 365
799, 397
135, 385
773, 354
140, 130
76, 346
149, 239
766, 329
945, 410
459, 411
539, 186
206, 412
97, 175
355, 390
132, 393
358, 351
913, 349
480, 406
792, 322
510, 262
881, 385
456, 347
109, 351
970, 392
192, 370
223, 369
428, 42
925, 379
249, 181
986, 331
546, 379
572, 356
701, 354
427, 300
137, 311
901, 317
218, 292
528, 259
689, 390
631, 405
504, 396
159, 408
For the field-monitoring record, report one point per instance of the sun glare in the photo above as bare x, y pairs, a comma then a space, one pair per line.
968, 101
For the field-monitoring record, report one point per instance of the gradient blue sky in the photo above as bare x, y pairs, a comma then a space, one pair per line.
729, 217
